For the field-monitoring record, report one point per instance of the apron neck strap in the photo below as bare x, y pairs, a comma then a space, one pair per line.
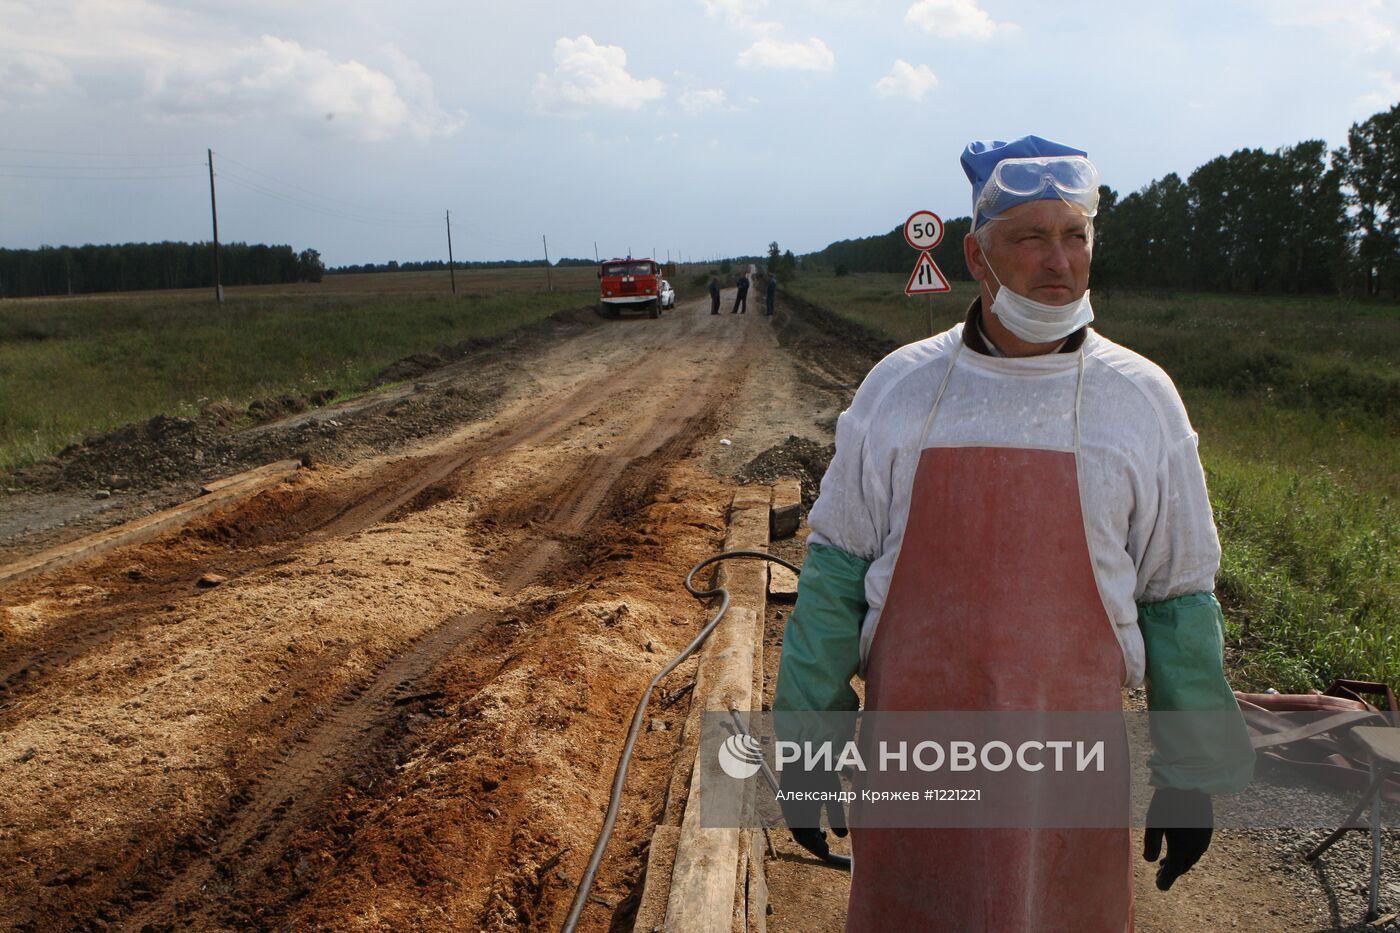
938, 398
943, 386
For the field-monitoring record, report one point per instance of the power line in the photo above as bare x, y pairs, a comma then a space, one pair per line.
172, 166
98, 177
49, 166
480, 233
249, 184
360, 213
362, 208
317, 208
102, 155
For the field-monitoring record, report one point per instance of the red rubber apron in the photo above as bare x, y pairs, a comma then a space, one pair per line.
993, 606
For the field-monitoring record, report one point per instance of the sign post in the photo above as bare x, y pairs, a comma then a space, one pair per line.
923, 231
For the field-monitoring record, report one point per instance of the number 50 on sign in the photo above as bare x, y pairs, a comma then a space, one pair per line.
923, 230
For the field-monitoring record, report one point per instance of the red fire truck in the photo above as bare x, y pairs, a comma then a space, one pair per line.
630, 284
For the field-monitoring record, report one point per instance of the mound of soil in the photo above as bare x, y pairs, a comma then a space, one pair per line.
270, 409
416, 364
799, 457
795, 330
163, 449
176, 452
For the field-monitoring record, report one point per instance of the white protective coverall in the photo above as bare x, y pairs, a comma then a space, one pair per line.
1052, 495
1147, 517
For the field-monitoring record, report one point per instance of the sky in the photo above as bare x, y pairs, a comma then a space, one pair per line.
687, 128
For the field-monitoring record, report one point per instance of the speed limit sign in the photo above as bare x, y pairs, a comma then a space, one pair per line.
923, 230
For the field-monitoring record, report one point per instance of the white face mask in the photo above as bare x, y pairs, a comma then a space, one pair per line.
1036, 322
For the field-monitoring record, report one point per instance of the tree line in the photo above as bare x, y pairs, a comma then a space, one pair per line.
888, 252
1298, 219
76, 270
431, 265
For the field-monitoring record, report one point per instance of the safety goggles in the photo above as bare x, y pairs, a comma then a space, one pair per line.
1016, 181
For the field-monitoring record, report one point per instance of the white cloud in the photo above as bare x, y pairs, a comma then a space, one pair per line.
812, 55
669, 138
906, 80
588, 75
698, 100
955, 19
188, 62
1373, 24
736, 15
26, 77
1369, 31
280, 77
1383, 98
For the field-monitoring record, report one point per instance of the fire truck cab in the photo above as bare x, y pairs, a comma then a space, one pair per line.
630, 284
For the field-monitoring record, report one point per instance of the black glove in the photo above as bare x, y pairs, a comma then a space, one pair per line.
1187, 819
804, 816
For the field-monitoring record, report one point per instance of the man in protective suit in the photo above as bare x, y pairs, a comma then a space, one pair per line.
1015, 519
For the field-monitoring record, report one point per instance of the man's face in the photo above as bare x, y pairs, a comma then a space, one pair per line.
1041, 250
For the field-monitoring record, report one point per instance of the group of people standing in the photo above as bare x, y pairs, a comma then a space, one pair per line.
741, 299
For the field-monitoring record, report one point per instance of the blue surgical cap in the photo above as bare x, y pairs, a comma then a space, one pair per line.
982, 155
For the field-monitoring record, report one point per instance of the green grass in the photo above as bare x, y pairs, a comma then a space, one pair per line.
73, 367
1297, 402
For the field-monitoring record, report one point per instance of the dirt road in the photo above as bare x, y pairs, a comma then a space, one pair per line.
402, 707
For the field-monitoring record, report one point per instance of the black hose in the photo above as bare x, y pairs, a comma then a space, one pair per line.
585, 885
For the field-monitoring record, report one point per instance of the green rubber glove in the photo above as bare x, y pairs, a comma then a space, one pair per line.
821, 646
1211, 753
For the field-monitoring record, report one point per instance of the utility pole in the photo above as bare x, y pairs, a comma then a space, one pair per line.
547, 277
214, 210
451, 266
595, 252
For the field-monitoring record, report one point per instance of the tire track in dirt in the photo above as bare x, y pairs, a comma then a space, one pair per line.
390, 489
284, 792
290, 789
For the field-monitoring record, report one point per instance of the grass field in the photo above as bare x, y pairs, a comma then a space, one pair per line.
1297, 401
71, 367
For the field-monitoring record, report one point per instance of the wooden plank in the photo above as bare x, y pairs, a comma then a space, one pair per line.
753, 880
656, 887
678, 791
148, 526
706, 895
752, 499
276, 468
787, 509
739, 920
757, 888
